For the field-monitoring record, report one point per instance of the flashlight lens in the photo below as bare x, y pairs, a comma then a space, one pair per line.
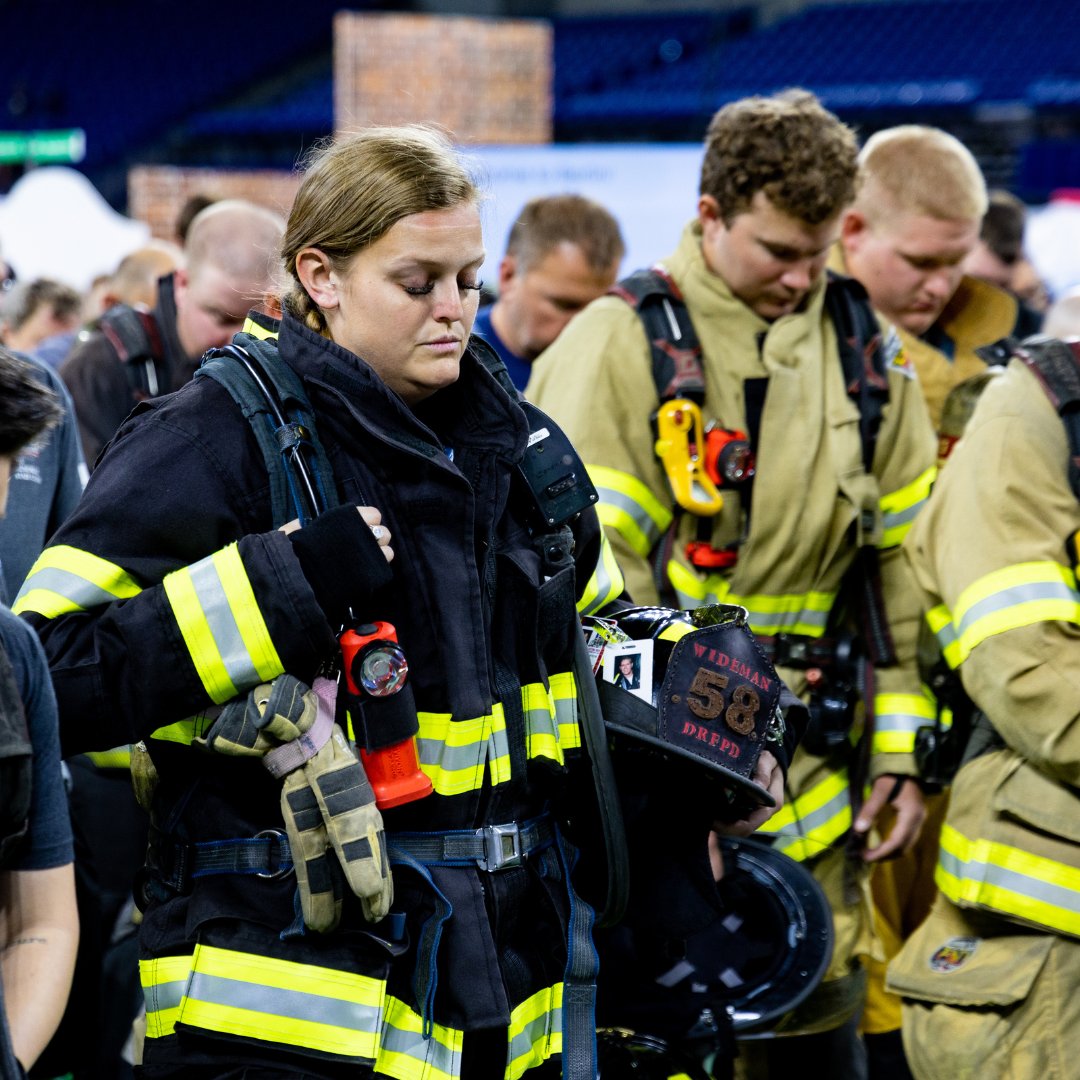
382, 669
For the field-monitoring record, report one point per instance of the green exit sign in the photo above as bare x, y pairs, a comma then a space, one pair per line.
42, 147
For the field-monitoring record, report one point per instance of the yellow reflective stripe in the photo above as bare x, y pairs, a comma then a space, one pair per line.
164, 981
551, 717
119, 757
606, 582
792, 613
939, 619
185, 731
66, 579
222, 626
806, 826
453, 753
1015, 596
1009, 880
256, 331
630, 508
897, 717
676, 631
404, 1052
535, 1030
317, 1008
899, 508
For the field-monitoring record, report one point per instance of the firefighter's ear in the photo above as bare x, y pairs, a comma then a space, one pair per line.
318, 277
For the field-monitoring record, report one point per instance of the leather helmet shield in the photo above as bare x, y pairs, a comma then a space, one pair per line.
719, 693
713, 708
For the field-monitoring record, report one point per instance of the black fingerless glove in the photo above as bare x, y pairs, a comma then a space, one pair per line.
342, 561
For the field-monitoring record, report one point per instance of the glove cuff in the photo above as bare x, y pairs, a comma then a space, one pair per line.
341, 560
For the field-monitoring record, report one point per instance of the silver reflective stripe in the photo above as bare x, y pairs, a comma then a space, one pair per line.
566, 712
71, 586
897, 518
522, 1044
771, 622
436, 754
1014, 596
887, 722
603, 584
1059, 896
277, 1001
222, 623
166, 995
623, 503
805, 827
946, 636
435, 1054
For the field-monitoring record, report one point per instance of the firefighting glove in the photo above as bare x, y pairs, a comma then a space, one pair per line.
329, 808
270, 715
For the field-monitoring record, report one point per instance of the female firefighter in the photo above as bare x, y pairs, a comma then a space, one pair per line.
305, 934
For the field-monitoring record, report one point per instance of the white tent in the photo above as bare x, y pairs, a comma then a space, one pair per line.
54, 223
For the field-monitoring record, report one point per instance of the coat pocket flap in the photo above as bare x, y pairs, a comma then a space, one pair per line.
1032, 797
947, 961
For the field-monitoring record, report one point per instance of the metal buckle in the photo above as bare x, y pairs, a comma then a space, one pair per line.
283, 870
502, 846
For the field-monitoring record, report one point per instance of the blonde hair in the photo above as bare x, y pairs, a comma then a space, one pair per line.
357, 189
920, 170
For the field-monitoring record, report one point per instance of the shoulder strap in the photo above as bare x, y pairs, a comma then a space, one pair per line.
676, 348
485, 352
862, 356
272, 398
133, 333
1057, 367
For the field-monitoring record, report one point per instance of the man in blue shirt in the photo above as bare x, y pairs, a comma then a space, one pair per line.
562, 253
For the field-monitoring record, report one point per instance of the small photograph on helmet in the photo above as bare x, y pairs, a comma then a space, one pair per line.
629, 666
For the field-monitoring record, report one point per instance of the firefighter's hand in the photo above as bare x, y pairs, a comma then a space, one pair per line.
903, 795
769, 775
372, 519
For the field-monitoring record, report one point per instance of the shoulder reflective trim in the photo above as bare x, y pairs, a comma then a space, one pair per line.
1015, 596
535, 1031
939, 619
551, 717
119, 757
221, 624
606, 582
279, 1001
795, 613
897, 717
404, 1051
630, 508
164, 981
258, 331
898, 508
66, 579
1009, 880
809, 824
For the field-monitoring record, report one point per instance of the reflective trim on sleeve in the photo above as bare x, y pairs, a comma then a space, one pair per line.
535, 1031
630, 508
897, 717
1013, 597
939, 619
794, 613
606, 582
898, 508
808, 825
1005, 879
222, 626
66, 579
119, 757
